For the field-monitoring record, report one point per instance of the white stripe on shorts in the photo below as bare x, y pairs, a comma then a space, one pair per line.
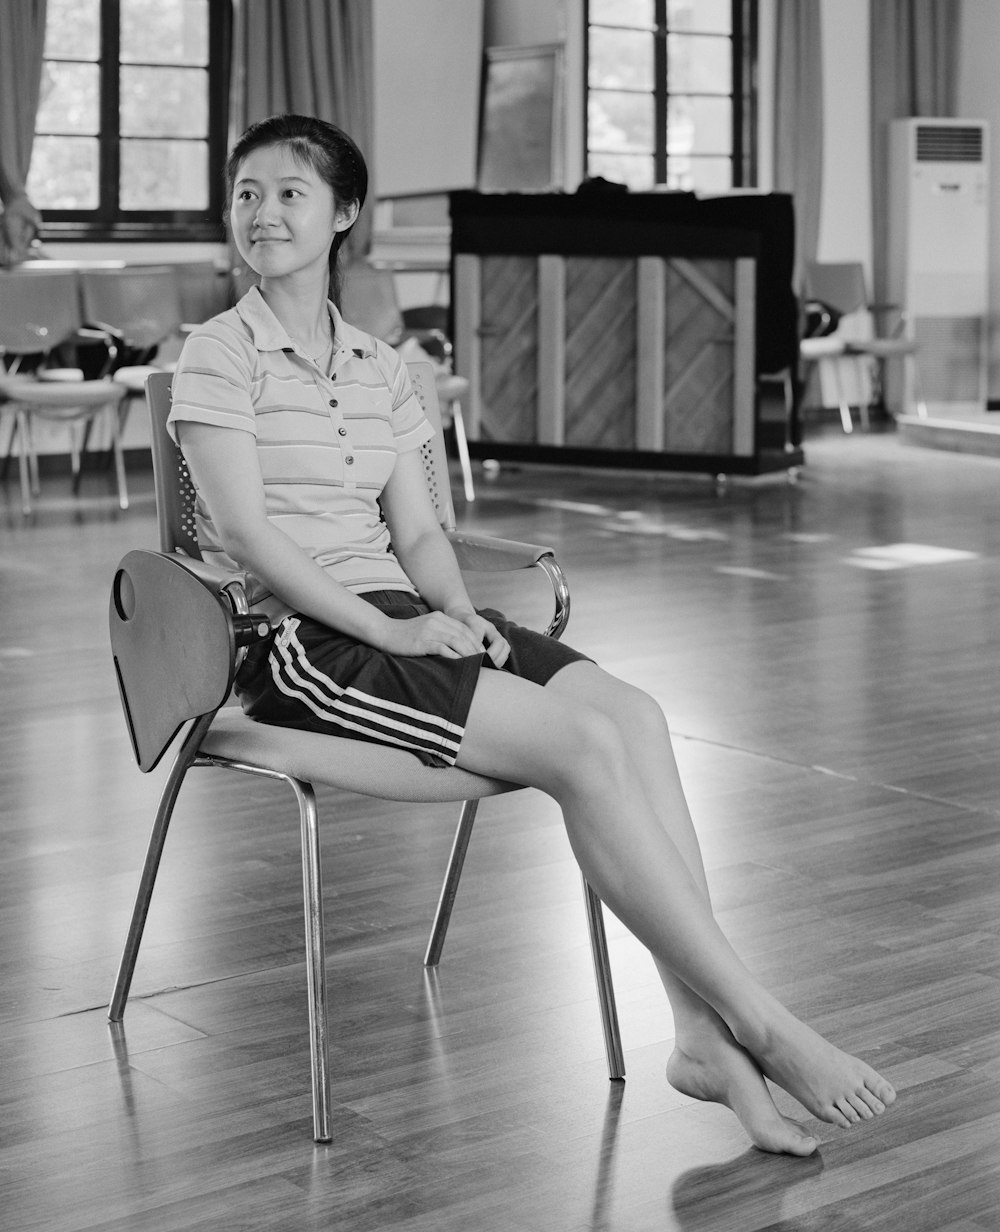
355, 710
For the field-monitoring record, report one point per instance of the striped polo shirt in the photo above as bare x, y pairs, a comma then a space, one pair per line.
326, 442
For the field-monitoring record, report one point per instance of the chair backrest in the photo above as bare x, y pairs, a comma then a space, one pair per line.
205, 290
368, 300
141, 302
841, 284
435, 456
175, 493
38, 310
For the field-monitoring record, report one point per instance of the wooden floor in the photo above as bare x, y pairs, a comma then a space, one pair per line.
828, 654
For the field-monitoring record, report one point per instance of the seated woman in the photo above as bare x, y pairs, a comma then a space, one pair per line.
302, 435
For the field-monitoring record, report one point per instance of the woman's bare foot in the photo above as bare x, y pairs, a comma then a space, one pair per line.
831, 1084
718, 1070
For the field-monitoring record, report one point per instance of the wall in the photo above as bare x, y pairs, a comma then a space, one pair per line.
979, 99
845, 232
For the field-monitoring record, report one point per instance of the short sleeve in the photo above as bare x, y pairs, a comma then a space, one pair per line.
212, 381
410, 426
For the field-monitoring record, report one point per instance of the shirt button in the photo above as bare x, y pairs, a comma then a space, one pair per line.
333, 401
349, 460
341, 431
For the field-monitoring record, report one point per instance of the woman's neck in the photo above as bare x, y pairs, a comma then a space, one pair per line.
303, 312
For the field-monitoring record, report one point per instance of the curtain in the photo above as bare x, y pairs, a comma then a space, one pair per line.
311, 57
798, 120
914, 72
22, 40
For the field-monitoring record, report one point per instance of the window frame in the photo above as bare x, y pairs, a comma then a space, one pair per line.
108, 222
744, 156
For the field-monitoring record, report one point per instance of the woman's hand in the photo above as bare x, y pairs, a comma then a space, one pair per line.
490, 639
453, 636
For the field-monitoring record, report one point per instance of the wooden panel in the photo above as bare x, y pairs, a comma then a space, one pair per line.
600, 352
509, 348
698, 345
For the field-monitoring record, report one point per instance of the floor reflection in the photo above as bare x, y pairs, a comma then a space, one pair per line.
604, 1181
750, 1190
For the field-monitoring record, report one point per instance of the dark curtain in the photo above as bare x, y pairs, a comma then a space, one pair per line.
914, 72
312, 57
798, 120
22, 40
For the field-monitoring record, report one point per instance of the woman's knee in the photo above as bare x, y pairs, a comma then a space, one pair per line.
599, 750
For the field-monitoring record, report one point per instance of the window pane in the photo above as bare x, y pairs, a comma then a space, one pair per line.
631, 169
699, 125
704, 175
164, 102
156, 33
73, 29
621, 58
705, 16
637, 13
69, 99
164, 175
697, 65
63, 173
620, 121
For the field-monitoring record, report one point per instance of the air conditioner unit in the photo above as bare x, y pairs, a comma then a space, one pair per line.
937, 257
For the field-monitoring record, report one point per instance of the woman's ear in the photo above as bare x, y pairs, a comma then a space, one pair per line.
347, 216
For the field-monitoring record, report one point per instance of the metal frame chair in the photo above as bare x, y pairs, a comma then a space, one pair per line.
178, 626
139, 308
840, 285
40, 310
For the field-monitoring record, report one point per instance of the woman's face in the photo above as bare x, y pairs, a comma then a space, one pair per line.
284, 216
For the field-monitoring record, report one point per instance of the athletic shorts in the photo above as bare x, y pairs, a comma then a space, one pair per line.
309, 676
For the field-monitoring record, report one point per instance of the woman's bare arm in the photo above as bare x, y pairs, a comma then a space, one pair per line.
224, 466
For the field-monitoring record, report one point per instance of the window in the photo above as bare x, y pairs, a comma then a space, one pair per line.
131, 125
669, 93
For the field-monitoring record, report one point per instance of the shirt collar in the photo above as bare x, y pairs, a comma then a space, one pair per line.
268, 334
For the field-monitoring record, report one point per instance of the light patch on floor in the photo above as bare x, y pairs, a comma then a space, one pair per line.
805, 537
903, 555
601, 511
762, 575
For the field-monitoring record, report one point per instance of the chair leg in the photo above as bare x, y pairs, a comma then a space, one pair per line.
312, 893
116, 446
140, 910
450, 888
462, 444
605, 986
24, 460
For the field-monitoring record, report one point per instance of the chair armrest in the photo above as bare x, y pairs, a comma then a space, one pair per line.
484, 554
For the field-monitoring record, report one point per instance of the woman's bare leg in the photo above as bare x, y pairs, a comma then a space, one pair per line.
707, 1062
644, 863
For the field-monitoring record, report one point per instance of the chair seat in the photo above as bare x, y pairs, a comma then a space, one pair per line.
134, 376
54, 395
449, 387
828, 346
353, 765
60, 374
882, 348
